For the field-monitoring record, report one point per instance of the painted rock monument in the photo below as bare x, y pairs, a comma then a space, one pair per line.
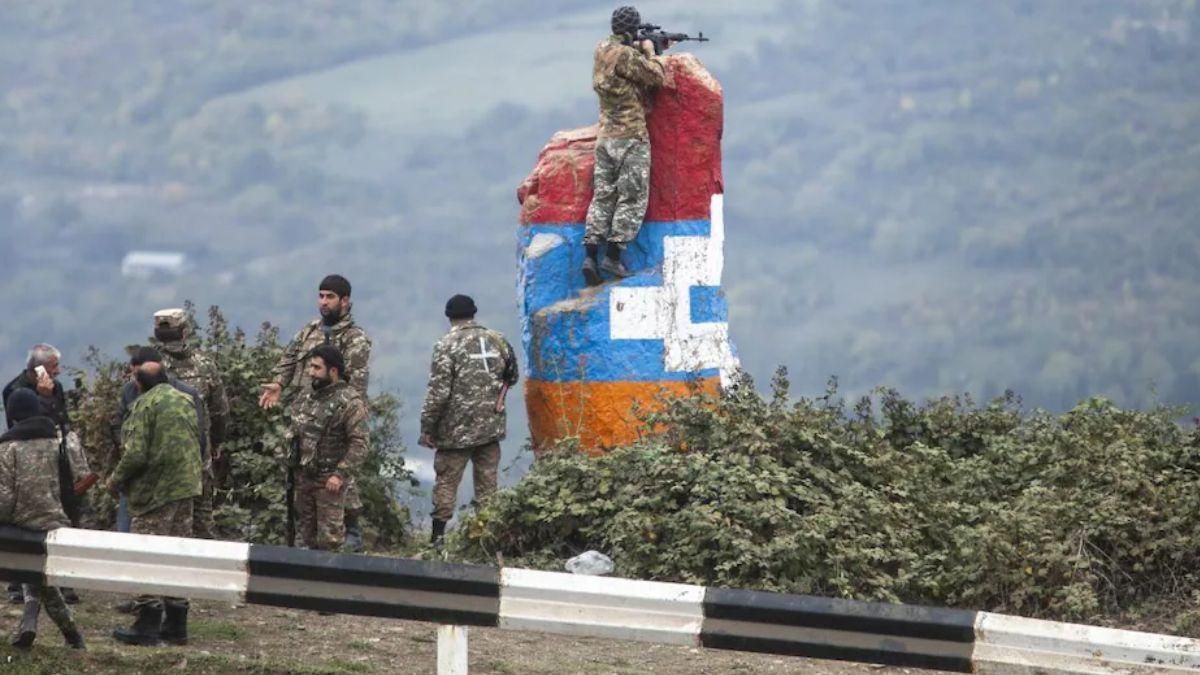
597, 357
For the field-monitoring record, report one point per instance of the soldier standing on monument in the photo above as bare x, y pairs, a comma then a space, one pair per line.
186, 362
30, 498
336, 327
159, 471
330, 437
463, 418
623, 76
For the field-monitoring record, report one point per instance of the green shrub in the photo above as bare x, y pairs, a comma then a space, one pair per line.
945, 503
249, 499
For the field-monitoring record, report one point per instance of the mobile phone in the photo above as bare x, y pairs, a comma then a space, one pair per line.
41, 372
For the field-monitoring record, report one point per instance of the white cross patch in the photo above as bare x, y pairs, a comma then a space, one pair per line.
484, 355
665, 312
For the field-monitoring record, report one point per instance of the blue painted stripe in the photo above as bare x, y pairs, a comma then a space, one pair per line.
574, 337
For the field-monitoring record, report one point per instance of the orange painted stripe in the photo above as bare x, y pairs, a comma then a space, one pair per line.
600, 414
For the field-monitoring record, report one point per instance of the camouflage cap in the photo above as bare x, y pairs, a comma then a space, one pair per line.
170, 318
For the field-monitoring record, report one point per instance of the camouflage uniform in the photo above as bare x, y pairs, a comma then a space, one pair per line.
192, 366
622, 77
30, 498
471, 364
330, 435
352, 341
160, 468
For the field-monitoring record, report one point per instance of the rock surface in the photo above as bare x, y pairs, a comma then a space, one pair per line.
599, 357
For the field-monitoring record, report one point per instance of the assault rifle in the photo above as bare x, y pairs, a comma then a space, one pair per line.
655, 34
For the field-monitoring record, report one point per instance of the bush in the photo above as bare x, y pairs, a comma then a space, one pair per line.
944, 503
249, 498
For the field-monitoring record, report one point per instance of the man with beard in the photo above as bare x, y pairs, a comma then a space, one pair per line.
330, 436
186, 362
30, 498
336, 328
159, 471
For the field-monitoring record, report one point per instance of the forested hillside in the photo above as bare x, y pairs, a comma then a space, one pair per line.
938, 196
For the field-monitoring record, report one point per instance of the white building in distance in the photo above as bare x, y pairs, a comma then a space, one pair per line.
149, 264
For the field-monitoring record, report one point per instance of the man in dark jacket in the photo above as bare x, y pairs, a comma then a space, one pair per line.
30, 497
42, 366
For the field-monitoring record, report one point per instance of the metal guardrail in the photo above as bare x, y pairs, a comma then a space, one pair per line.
516, 599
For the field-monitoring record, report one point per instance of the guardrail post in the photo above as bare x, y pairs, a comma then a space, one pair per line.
452, 650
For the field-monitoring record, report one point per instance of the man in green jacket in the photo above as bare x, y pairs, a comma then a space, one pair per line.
159, 471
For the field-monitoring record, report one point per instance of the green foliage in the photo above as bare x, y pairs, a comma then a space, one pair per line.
249, 499
945, 503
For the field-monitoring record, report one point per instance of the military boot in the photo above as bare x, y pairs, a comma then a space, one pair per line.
174, 628
146, 629
74, 639
27, 630
70, 596
612, 262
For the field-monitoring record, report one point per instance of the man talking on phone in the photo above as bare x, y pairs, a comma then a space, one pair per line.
41, 369
40, 375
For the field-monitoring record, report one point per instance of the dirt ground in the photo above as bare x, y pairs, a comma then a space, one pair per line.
254, 639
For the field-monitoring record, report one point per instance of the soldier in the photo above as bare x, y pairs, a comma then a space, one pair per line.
30, 498
329, 436
42, 366
463, 415
159, 471
189, 364
335, 327
623, 75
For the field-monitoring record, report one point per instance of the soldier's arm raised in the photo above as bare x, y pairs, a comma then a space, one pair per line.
635, 66
437, 393
285, 371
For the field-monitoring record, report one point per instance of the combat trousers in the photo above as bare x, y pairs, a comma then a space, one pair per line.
449, 466
620, 190
203, 526
52, 602
320, 514
173, 519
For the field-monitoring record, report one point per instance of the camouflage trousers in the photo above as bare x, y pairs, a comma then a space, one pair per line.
203, 526
320, 514
449, 466
173, 519
52, 601
620, 190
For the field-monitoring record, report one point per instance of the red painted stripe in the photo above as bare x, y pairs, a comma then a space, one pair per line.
685, 145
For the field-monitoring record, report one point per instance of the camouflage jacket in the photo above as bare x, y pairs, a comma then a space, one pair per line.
622, 77
329, 429
160, 462
470, 366
351, 341
194, 367
130, 394
29, 479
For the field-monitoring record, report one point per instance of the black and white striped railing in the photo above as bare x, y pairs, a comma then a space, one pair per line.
551, 602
